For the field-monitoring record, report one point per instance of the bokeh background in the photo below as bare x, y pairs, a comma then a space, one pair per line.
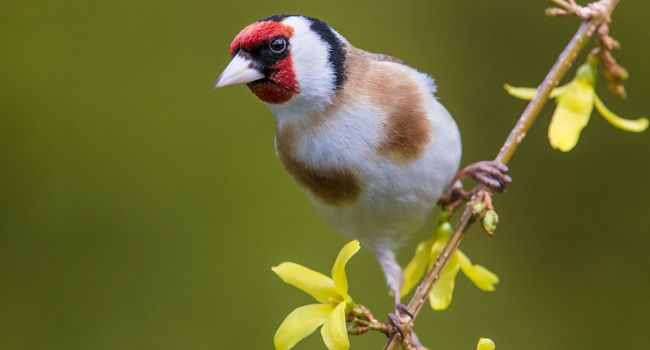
140, 209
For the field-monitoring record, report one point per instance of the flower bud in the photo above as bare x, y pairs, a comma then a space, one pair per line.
444, 229
490, 221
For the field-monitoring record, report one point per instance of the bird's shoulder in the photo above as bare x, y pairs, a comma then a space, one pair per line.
400, 92
377, 73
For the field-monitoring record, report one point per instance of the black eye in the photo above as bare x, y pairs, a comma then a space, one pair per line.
278, 45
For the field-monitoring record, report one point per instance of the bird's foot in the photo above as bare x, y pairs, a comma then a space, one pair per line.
490, 173
398, 321
400, 318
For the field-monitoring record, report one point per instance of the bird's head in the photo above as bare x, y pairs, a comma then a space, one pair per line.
287, 60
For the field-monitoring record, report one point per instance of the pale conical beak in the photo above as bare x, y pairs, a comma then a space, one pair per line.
241, 70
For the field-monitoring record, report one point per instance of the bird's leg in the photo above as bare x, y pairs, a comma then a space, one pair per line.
393, 273
490, 173
394, 277
392, 270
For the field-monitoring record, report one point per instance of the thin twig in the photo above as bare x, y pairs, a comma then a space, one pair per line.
363, 321
516, 136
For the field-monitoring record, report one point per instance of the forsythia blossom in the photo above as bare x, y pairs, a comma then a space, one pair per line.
333, 298
485, 344
425, 256
575, 102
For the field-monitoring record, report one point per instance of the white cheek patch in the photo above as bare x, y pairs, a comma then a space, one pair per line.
314, 72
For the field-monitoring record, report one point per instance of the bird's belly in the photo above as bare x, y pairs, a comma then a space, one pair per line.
380, 197
394, 202
397, 198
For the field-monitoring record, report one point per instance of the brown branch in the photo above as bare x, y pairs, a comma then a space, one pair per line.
602, 11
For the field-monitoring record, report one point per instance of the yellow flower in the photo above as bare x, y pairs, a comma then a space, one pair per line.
485, 344
575, 102
333, 298
425, 256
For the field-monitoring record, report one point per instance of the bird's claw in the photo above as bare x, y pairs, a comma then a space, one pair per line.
398, 320
400, 317
401, 309
492, 174
393, 321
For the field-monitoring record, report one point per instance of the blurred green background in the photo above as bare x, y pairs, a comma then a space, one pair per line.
140, 209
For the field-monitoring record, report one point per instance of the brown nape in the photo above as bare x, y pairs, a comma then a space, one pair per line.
407, 129
332, 185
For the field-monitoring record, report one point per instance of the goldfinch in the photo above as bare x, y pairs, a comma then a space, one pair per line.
361, 133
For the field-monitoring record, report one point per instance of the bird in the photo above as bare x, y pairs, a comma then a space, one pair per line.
363, 134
